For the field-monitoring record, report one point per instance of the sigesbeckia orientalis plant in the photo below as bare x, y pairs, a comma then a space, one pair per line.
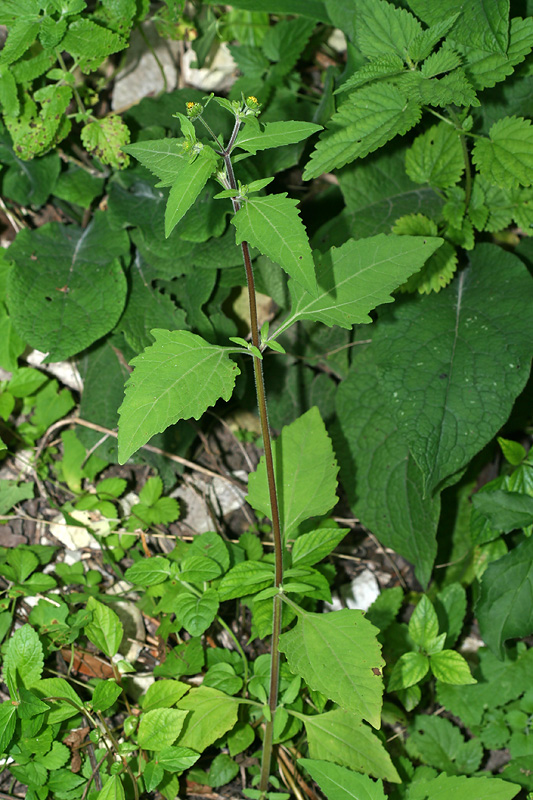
181, 375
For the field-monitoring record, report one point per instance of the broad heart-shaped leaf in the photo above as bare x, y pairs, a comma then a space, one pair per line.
23, 661
67, 289
178, 377
305, 471
456, 787
383, 482
371, 117
197, 613
506, 157
273, 225
165, 158
453, 363
340, 783
504, 607
341, 737
274, 134
187, 185
339, 655
212, 713
358, 276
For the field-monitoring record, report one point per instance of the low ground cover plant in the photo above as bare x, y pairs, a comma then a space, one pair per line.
377, 204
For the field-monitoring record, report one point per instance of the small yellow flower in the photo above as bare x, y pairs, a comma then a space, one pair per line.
190, 104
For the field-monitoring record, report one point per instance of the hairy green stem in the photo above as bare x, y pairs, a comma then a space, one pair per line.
269, 462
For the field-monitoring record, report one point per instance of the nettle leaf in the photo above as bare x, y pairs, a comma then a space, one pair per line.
36, 130
160, 727
91, 42
504, 607
440, 268
273, 225
438, 742
436, 157
305, 470
105, 629
178, 377
187, 185
212, 713
484, 25
197, 613
450, 787
105, 138
382, 29
371, 117
68, 288
453, 88
274, 134
358, 276
382, 480
340, 783
453, 363
506, 158
339, 655
383, 67
165, 158
24, 659
21, 36
444, 60
485, 69
340, 736
423, 44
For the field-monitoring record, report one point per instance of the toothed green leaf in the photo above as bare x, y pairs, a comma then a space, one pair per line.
178, 377
273, 225
506, 157
371, 117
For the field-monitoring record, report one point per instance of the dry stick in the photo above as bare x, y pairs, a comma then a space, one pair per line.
94, 427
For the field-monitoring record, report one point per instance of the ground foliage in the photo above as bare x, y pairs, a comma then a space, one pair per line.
396, 351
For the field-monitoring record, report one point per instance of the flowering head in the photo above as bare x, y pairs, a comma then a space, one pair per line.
194, 110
